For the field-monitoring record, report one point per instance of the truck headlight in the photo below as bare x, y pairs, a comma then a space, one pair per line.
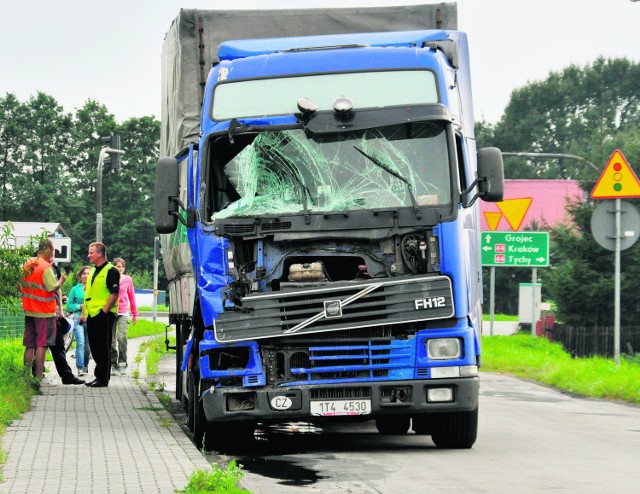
443, 348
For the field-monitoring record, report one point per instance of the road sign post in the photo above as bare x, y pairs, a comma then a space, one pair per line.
617, 181
516, 249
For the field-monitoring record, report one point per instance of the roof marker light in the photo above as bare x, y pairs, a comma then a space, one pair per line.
343, 106
306, 106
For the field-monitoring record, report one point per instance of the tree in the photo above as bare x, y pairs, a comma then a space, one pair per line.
128, 209
581, 277
13, 123
91, 122
588, 112
39, 185
48, 172
575, 111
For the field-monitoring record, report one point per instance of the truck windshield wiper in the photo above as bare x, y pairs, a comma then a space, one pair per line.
378, 163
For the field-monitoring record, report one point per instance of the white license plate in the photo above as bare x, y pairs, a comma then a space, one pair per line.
330, 408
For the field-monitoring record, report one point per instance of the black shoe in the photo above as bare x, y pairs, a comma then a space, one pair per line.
74, 380
98, 384
87, 383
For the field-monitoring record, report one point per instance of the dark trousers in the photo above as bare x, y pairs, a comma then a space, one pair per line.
59, 355
100, 332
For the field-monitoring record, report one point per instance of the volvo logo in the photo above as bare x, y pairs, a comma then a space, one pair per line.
332, 308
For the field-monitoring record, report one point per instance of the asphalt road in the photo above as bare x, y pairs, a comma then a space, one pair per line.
531, 439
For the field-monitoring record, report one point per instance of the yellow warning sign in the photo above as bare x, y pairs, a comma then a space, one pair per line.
493, 218
514, 210
617, 180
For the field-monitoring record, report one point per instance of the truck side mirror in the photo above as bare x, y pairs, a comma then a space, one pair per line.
491, 172
166, 195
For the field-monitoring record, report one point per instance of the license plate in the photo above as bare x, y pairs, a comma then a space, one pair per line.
330, 408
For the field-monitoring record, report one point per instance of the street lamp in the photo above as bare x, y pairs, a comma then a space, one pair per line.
553, 155
103, 154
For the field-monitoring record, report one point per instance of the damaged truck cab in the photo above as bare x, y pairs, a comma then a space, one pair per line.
329, 211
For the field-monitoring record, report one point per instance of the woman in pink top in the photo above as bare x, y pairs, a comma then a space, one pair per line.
126, 301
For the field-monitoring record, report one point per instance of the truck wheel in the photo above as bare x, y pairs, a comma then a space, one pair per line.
421, 425
179, 373
190, 401
455, 430
393, 425
199, 419
228, 437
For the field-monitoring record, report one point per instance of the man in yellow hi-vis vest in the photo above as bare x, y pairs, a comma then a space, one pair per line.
100, 309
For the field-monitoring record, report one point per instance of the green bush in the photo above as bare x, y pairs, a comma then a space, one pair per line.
217, 481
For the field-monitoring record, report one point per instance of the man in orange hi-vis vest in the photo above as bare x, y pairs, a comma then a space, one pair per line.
39, 286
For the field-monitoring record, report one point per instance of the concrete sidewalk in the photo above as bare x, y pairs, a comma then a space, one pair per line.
113, 440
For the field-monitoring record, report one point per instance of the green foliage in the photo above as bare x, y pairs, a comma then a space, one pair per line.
128, 205
143, 279
11, 261
589, 112
217, 481
155, 349
16, 389
579, 111
581, 277
548, 363
149, 308
485, 134
48, 173
500, 317
145, 328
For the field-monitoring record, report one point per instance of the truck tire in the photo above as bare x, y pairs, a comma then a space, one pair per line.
179, 373
421, 425
230, 437
189, 401
455, 430
199, 420
393, 425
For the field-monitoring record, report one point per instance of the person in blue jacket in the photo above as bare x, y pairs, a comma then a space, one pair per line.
75, 304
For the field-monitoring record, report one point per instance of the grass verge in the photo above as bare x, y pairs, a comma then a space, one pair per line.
16, 387
500, 317
548, 363
145, 328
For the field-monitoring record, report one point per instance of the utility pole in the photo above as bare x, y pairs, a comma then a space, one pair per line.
157, 254
115, 165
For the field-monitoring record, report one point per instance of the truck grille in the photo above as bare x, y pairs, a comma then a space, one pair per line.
361, 362
338, 306
345, 361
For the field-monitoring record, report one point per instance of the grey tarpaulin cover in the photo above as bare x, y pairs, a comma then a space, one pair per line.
186, 61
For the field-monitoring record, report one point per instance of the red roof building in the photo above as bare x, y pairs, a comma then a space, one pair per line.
548, 203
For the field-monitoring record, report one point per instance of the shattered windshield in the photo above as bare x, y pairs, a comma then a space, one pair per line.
289, 172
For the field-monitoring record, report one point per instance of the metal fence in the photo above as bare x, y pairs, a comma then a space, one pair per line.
589, 341
11, 323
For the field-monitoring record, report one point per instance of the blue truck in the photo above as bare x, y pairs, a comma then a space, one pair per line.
320, 230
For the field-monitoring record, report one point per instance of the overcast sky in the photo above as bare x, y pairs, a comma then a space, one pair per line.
75, 50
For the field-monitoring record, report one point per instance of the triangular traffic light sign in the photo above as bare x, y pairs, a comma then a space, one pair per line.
514, 210
617, 180
493, 218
